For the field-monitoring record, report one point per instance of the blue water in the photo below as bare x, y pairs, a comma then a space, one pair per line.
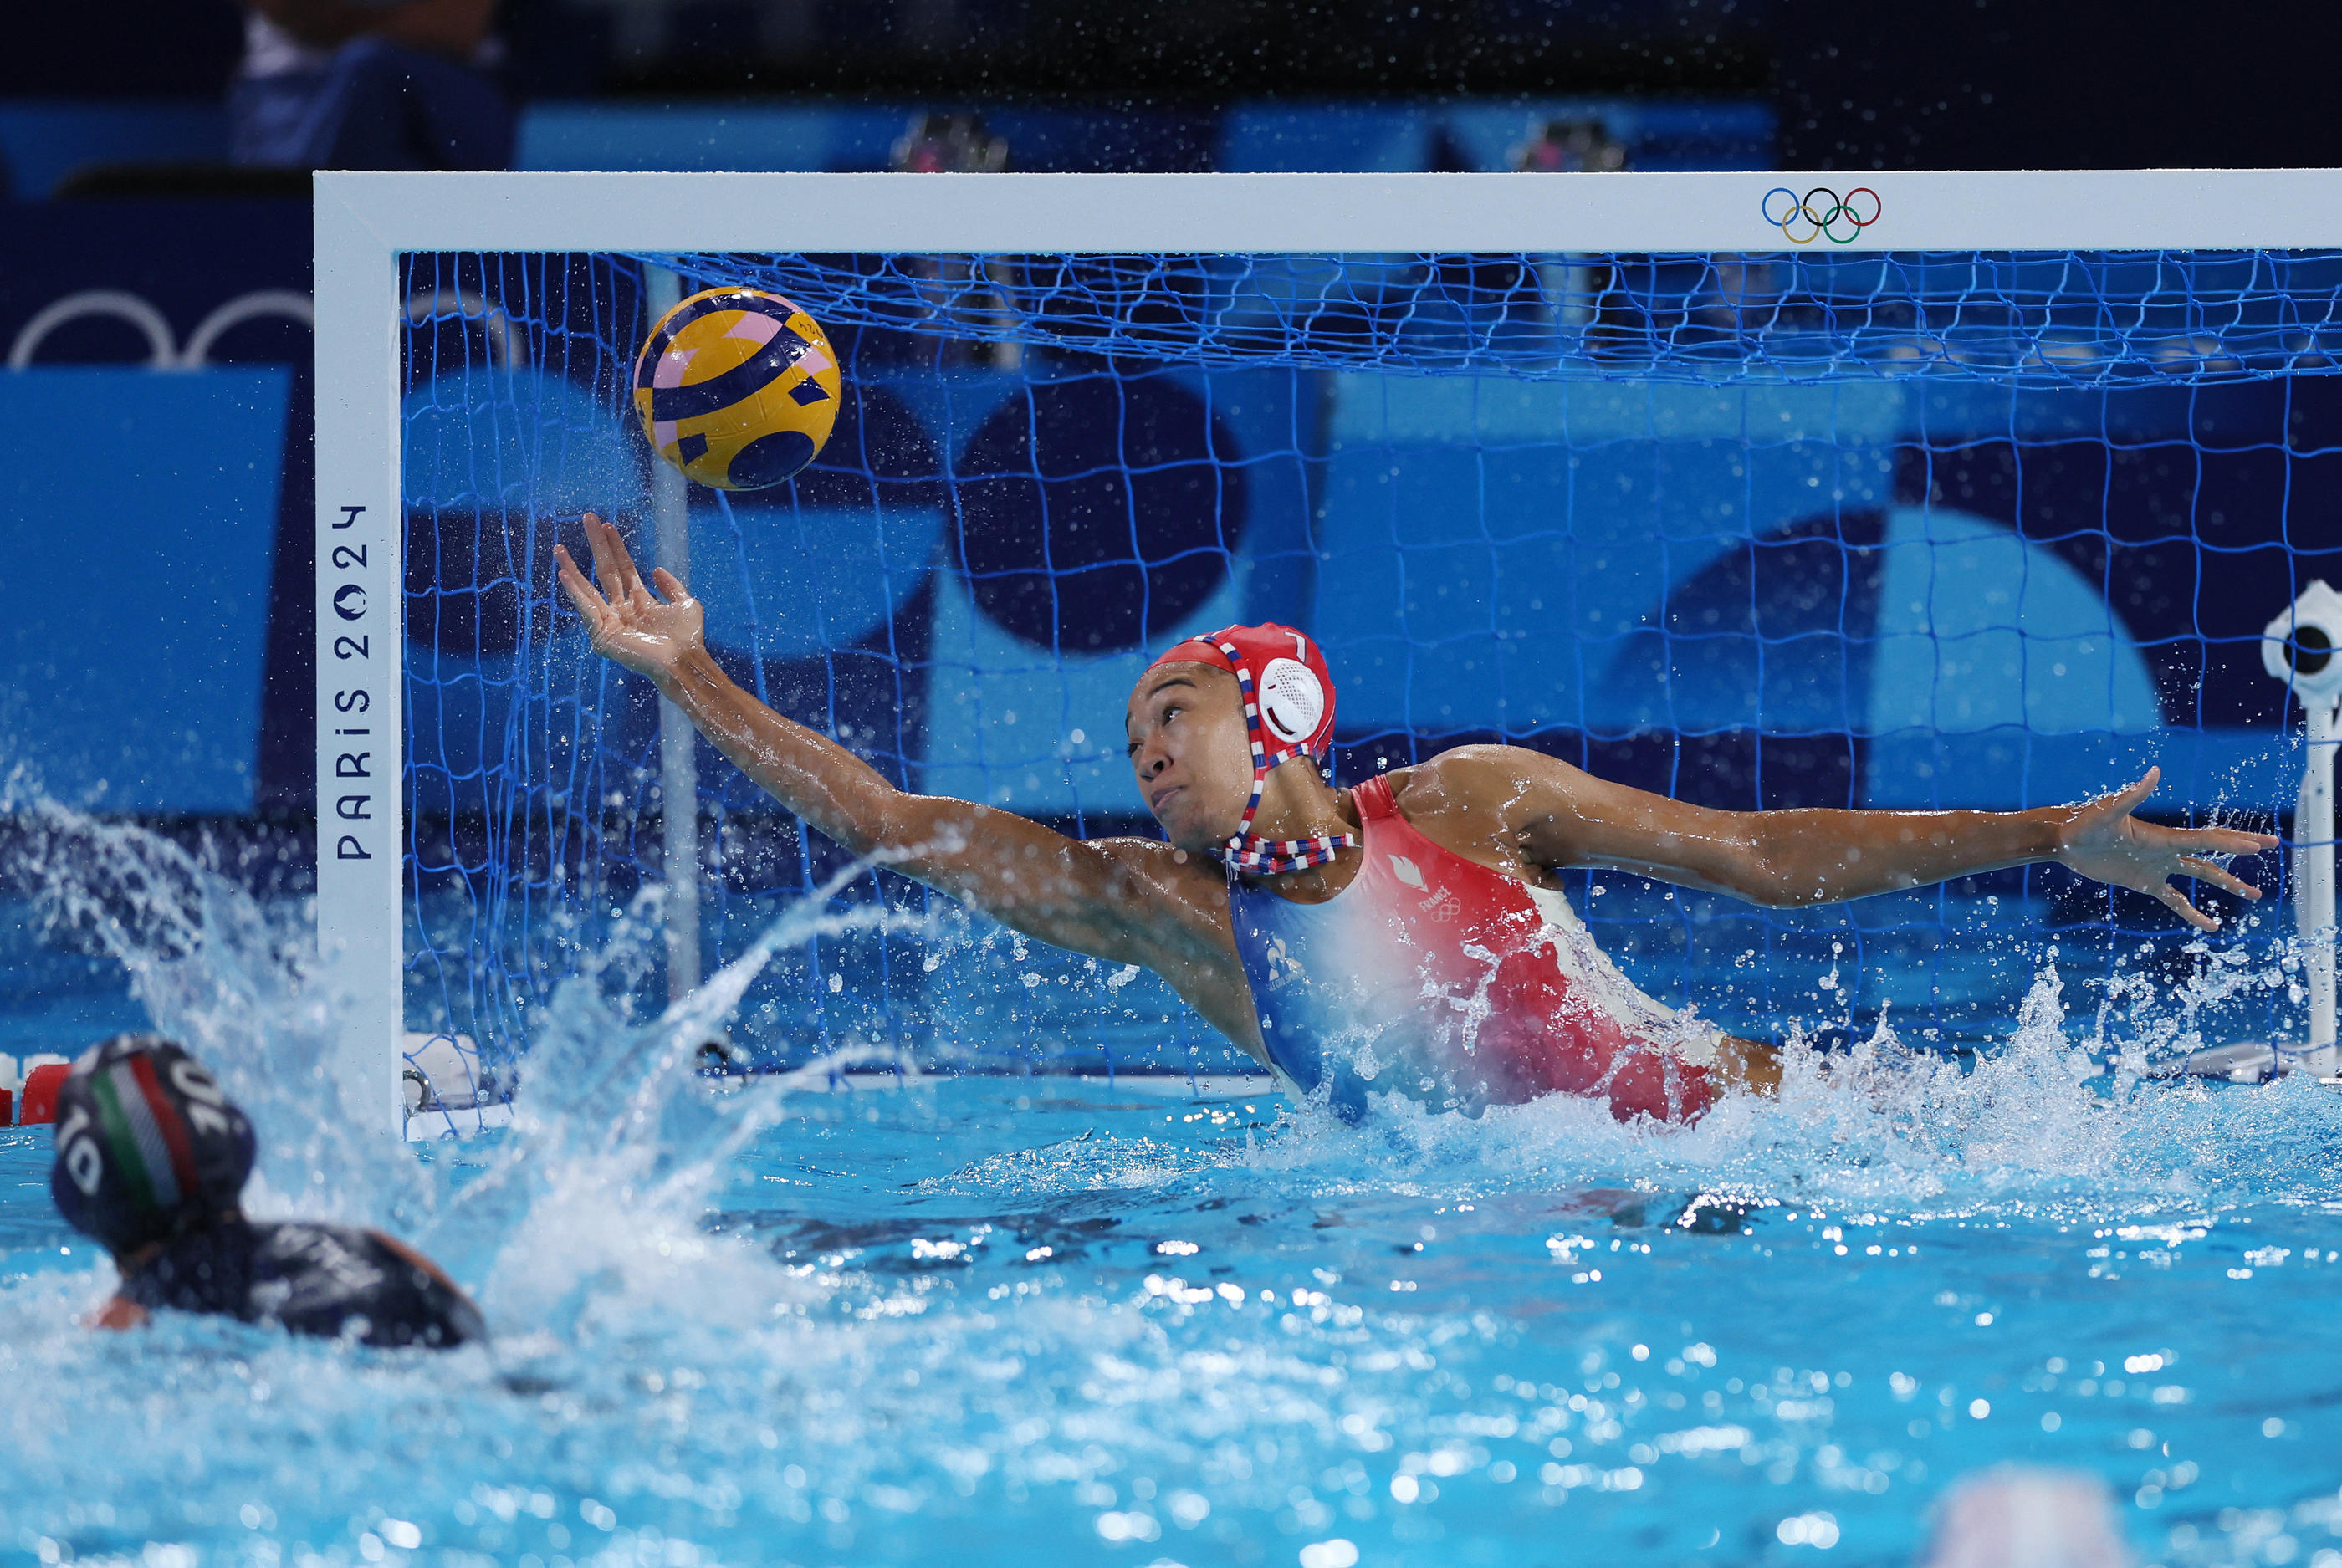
992, 1320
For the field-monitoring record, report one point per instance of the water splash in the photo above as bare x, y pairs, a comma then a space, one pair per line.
598, 1191
2057, 1120
235, 983
593, 1202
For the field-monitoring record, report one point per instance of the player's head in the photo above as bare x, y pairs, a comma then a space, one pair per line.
147, 1146
1210, 719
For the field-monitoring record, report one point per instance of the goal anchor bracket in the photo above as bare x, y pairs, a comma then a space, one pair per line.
2302, 648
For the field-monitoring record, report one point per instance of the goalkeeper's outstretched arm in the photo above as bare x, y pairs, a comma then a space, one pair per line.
1562, 817
1111, 898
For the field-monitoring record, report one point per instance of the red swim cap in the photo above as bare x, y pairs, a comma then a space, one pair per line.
1288, 692
1288, 705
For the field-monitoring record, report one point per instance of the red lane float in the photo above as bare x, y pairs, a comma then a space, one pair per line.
41, 1087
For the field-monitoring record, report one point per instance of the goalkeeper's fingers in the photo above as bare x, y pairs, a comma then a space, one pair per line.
2218, 877
615, 568
588, 599
2177, 903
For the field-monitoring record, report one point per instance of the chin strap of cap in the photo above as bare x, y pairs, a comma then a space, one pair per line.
1245, 850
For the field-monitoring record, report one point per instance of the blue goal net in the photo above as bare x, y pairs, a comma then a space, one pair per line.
1914, 531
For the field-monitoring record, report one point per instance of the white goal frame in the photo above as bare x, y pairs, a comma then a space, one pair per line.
366, 221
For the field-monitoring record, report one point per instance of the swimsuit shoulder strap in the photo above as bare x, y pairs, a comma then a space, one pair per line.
1375, 800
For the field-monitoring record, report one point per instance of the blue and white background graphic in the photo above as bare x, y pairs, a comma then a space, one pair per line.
1876, 594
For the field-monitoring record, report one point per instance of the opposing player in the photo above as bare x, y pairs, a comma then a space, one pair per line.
1407, 935
152, 1160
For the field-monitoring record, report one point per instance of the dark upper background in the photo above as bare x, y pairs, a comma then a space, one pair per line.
1916, 84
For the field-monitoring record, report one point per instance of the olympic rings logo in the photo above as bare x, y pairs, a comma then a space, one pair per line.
1821, 213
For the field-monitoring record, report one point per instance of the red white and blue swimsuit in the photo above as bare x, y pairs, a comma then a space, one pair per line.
1457, 986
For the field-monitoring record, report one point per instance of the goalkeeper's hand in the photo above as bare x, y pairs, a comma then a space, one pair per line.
649, 632
2104, 842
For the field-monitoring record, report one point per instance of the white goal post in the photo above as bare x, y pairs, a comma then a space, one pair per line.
366, 221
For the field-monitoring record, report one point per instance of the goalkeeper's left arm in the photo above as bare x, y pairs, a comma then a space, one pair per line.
1127, 900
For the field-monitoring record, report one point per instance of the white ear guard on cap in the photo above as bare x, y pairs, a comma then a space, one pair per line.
1292, 700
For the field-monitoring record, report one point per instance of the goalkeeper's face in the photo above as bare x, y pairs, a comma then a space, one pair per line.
1189, 753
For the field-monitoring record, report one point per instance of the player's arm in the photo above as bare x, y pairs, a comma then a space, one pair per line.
1562, 816
1101, 898
119, 1313
430, 1270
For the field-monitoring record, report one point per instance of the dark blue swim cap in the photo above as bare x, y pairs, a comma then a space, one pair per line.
146, 1143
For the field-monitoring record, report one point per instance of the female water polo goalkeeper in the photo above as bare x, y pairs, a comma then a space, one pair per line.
1407, 935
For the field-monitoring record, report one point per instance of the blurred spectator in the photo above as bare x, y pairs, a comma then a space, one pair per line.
370, 85
975, 291
1588, 291
1624, 304
1570, 147
945, 144
1503, 286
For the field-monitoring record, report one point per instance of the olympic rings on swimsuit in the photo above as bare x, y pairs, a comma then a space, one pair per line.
1821, 213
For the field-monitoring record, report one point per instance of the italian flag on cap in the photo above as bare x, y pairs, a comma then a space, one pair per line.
146, 1138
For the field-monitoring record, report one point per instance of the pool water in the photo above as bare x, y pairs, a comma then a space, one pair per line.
990, 1320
